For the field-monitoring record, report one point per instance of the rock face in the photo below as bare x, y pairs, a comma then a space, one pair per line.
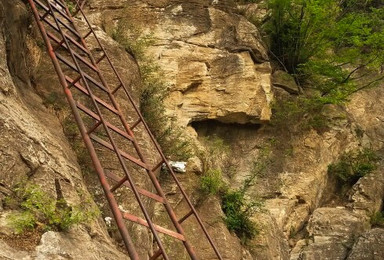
331, 233
368, 246
208, 55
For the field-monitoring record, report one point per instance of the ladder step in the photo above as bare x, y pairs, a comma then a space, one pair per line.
87, 34
117, 88
78, 86
157, 165
109, 125
94, 127
186, 216
156, 255
101, 58
60, 3
73, 31
160, 229
74, 81
54, 38
123, 181
85, 61
124, 154
136, 123
73, 67
46, 8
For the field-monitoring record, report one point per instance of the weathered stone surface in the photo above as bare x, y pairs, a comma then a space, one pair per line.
75, 244
208, 57
282, 79
331, 233
270, 243
368, 193
369, 246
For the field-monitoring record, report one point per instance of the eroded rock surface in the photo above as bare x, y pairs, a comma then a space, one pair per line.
209, 57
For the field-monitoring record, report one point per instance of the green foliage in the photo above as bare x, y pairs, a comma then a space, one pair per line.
300, 113
354, 165
71, 6
153, 93
377, 219
38, 209
258, 168
298, 29
215, 153
333, 47
52, 100
238, 213
211, 182
237, 208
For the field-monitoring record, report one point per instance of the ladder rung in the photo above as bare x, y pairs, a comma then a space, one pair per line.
109, 125
117, 88
59, 44
69, 28
94, 127
123, 181
124, 154
101, 58
87, 34
53, 37
185, 217
160, 229
61, 4
85, 62
45, 14
136, 123
73, 31
73, 67
156, 255
158, 165
98, 100
74, 81
46, 8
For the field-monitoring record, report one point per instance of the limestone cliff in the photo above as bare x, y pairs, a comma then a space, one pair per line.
219, 77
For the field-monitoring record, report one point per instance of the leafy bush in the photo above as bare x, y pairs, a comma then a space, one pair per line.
238, 213
41, 210
377, 219
354, 165
216, 152
332, 47
211, 182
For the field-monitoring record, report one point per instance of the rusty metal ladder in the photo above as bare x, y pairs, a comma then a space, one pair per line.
78, 71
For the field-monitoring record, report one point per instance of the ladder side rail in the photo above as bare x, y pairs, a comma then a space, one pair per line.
95, 160
153, 178
106, 129
138, 150
153, 139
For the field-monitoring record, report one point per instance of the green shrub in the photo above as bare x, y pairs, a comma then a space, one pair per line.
216, 150
238, 213
377, 219
353, 165
211, 182
38, 209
